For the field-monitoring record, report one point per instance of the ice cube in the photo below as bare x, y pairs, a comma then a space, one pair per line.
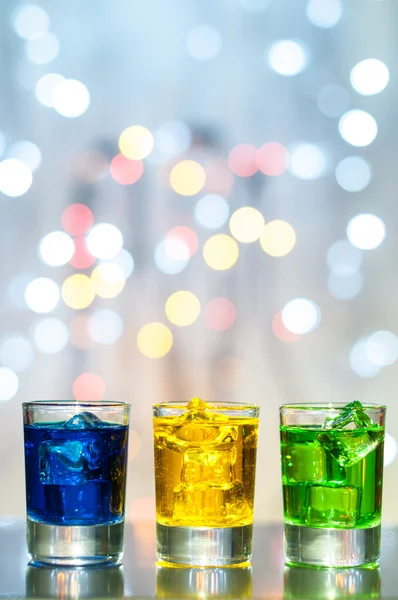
69, 462
353, 416
211, 468
294, 500
207, 502
84, 420
331, 506
304, 462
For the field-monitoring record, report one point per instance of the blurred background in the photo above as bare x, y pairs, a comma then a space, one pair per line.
197, 199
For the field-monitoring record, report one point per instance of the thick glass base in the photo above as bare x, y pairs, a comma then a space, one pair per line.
331, 547
204, 546
75, 545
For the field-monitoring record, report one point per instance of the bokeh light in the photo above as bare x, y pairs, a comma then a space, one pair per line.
212, 211
166, 263
154, 340
104, 240
301, 315
27, 152
16, 353
71, 98
50, 335
323, 13
220, 252
229, 373
172, 138
219, 314
82, 258
187, 177
280, 331
30, 21
182, 308
246, 224
125, 171
390, 449
105, 326
358, 128
42, 295
78, 291
204, 42
343, 258
242, 160
178, 235
15, 177
125, 261
381, 348
78, 332
77, 219
287, 57
43, 49
272, 159
345, 286
333, 101
108, 280
8, 384
353, 174
46, 86
88, 386
366, 232
56, 248
359, 361
370, 76
136, 142
307, 161
16, 290
278, 238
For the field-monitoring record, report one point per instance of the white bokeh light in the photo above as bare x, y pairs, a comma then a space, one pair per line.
359, 360
353, 174
104, 241
345, 286
333, 101
166, 263
366, 232
204, 42
172, 138
43, 49
358, 128
42, 295
71, 98
343, 258
105, 326
301, 315
307, 161
390, 449
370, 76
50, 335
176, 249
30, 21
27, 152
45, 88
8, 384
324, 13
287, 57
16, 353
382, 348
212, 211
56, 248
125, 262
15, 177
16, 290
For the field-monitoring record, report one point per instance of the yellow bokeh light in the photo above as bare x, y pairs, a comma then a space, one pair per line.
182, 308
78, 291
187, 177
154, 340
278, 238
108, 280
220, 252
246, 224
136, 142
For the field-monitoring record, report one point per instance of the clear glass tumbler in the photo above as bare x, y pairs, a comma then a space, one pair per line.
332, 476
75, 468
205, 462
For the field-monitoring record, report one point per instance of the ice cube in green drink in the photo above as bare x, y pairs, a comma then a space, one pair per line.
304, 462
332, 506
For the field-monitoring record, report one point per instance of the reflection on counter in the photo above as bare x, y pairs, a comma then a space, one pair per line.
174, 582
306, 583
74, 583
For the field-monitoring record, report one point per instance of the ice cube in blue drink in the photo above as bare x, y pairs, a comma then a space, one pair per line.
84, 420
69, 462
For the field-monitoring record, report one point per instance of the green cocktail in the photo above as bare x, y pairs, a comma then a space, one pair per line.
332, 474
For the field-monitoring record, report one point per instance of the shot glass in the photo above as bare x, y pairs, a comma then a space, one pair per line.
75, 468
205, 462
332, 476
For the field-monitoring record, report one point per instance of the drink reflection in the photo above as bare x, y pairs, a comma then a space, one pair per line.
174, 581
306, 583
74, 583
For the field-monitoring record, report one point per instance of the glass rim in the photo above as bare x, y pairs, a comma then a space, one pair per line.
212, 406
339, 406
62, 404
